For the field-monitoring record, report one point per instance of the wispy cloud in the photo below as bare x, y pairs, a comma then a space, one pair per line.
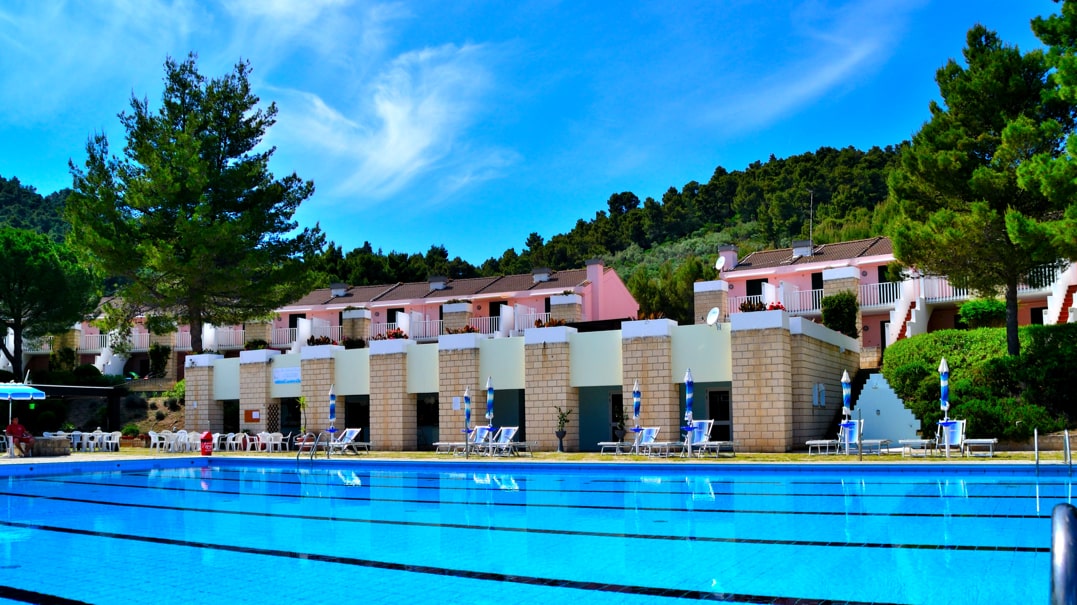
410, 121
833, 46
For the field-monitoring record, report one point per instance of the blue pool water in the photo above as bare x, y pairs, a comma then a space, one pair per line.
235, 531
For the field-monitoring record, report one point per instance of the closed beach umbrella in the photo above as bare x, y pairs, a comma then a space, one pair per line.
489, 401
467, 410
689, 387
332, 409
635, 402
846, 394
944, 384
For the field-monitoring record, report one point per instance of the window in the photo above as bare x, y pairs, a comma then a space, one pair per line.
755, 287
293, 319
1036, 315
817, 281
721, 410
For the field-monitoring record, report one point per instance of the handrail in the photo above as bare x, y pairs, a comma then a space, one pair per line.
1063, 555
313, 448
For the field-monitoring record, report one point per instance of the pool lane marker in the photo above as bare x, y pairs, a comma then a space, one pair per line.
699, 595
525, 530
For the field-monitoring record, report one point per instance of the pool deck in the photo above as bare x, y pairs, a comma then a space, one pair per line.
892, 457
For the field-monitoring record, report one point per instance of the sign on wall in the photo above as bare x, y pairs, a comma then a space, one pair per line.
286, 375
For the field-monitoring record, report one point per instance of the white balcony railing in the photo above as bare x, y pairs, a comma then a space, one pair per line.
92, 343
525, 321
485, 325
283, 337
42, 344
333, 333
884, 294
425, 330
379, 330
139, 341
183, 341
230, 338
736, 301
804, 301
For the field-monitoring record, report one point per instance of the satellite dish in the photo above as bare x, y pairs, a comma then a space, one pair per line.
713, 315
719, 264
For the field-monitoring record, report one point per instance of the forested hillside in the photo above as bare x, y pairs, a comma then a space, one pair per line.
659, 247
24, 208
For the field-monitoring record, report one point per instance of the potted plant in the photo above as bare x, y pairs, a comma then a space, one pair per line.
562, 420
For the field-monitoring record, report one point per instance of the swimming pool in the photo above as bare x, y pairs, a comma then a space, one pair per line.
240, 531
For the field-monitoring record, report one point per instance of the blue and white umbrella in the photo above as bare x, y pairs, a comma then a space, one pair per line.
15, 391
689, 387
635, 402
846, 395
467, 410
944, 384
489, 401
332, 409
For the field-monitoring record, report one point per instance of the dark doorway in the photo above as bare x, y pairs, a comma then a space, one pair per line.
755, 287
721, 411
426, 419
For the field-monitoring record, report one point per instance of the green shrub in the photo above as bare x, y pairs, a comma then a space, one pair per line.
354, 343
159, 356
983, 313
255, 344
130, 430
840, 312
134, 402
1001, 396
63, 359
178, 391
160, 415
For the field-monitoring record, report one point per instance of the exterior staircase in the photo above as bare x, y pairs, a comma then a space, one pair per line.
904, 331
1067, 303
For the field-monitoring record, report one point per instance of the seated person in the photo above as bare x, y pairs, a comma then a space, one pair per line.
21, 438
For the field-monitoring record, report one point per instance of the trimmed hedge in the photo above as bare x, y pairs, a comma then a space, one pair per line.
1001, 396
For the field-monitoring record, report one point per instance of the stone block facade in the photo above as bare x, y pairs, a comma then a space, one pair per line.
649, 360
548, 386
393, 423
763, 389
258, 330
254, 395
317, 380
207, 415
453, 322
566, 312
459, 369
815, 362
710, 295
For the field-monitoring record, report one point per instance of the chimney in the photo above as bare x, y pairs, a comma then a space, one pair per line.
540, 274
802, 247
438, 282
595, 270
729, 253
338, 289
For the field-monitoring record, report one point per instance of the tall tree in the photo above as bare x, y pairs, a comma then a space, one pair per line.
1054, 174
959, 177
191, 215
43, 290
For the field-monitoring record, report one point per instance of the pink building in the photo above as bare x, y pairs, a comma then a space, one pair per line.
798, 277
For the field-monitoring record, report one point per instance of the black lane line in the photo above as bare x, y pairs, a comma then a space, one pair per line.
29, 596
445, 571
831, 513
555, 532
497, 490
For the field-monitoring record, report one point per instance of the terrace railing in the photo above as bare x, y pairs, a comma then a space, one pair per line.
426, 330
485, 325
736, 301
884, 294
230, 338
92, 343
183, 341
283, 337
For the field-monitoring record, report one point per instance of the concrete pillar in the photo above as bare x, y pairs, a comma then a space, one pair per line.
393, 422
255, 377
647, 356
318, 369
458, 367
709, 295
258, 330
356, 324
566, 307
547, 383
203, 412
762, 381
455, 316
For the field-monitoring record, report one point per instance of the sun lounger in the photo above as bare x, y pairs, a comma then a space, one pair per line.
850, 440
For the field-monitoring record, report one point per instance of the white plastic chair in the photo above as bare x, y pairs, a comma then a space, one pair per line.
179, 444
194, 441
157, 442
235, 442
112, 441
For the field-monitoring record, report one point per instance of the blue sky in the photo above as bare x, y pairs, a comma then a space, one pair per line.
472, 124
